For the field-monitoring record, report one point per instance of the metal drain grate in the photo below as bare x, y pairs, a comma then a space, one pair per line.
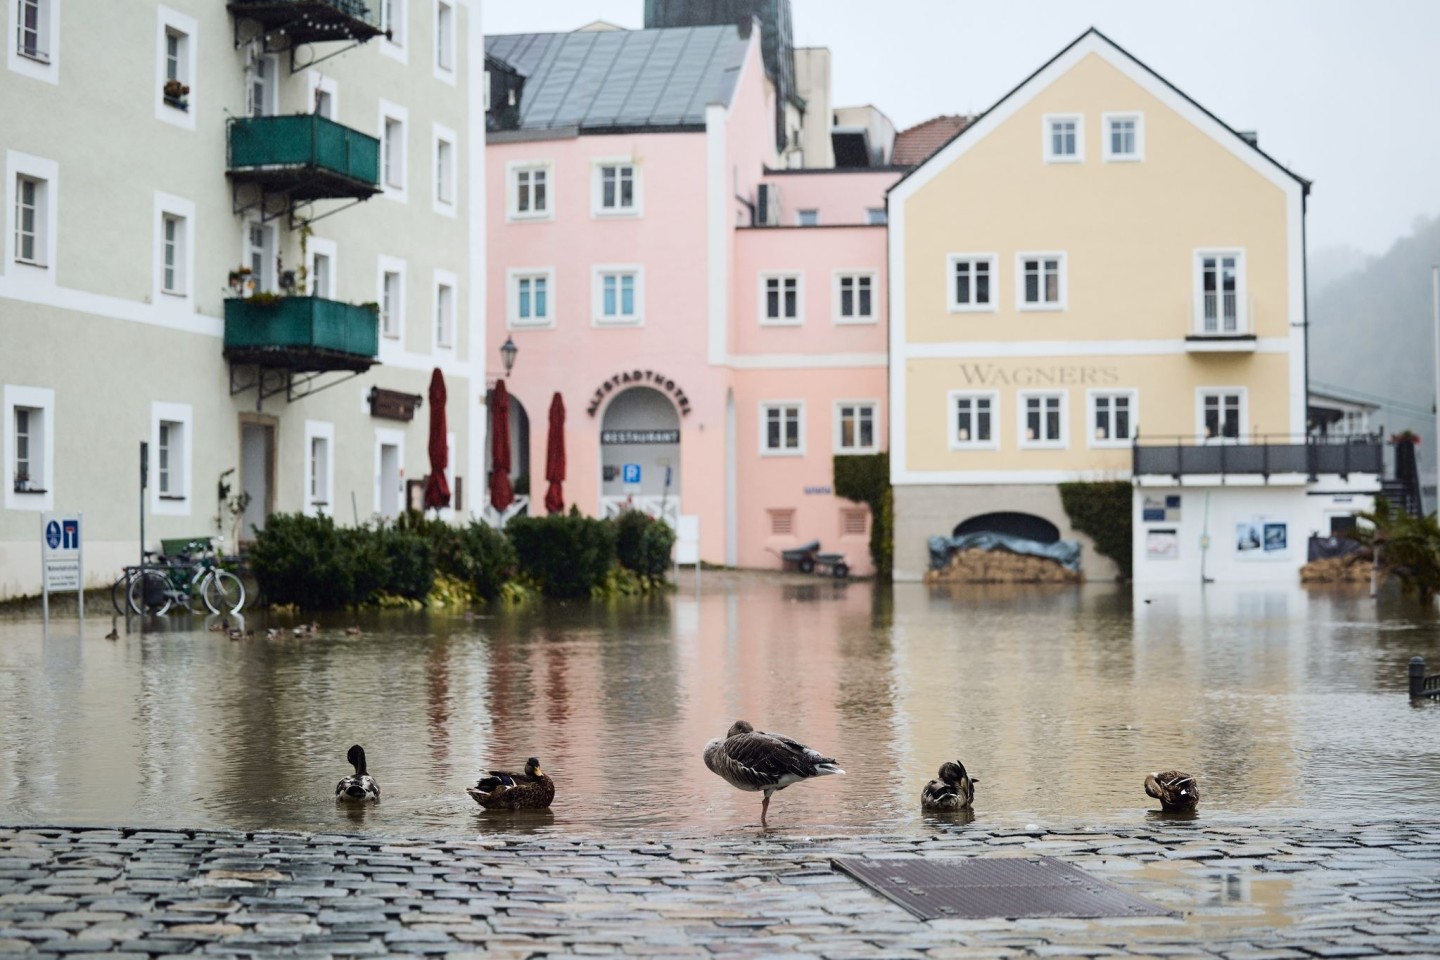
1010, 887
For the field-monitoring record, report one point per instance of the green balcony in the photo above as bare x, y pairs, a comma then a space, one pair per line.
305, 156
312, 21
301, 333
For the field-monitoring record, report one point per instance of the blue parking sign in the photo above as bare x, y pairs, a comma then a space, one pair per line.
630, 473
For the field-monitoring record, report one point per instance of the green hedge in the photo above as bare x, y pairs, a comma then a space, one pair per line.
866, 479
567, 556
477, 555
1103, 511
306, 561
643, 544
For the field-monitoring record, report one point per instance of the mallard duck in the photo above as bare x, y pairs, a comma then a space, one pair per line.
1177, 792
954, 789
531, 790
360, 786
751, 759
272, 632
114, 633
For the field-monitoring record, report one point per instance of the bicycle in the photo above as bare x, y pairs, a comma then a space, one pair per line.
178, 578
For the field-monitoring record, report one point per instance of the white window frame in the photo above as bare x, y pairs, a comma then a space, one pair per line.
444, 311
838, 292
266, 69
839, 429
1023, 398
1048, 121
165, 21
952, 429
955, 259
876, 216
513, 169
765, 407
323, 83
167, 205
1243, 415
179, 501
1106, 146
322, 247
763, 286
394, 265
394, 113
513, 277
37, 398
810, 214
598, 210
1063, 284
1092, 405
268, 279
598, 275
1242, 294
444, 169
48, 44
445, 68
395, 20
32, 273
321, 502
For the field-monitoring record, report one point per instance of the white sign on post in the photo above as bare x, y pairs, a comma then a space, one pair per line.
61, 557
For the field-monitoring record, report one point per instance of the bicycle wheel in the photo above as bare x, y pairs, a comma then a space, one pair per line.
149, 593
223, 592
119, 592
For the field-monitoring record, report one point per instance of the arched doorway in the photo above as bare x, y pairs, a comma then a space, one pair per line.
1024, 525
519, 451
640, 455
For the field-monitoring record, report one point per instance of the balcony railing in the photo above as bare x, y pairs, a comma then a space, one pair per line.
313, 21
301, 333
1221, 321
1259, 455
307, 156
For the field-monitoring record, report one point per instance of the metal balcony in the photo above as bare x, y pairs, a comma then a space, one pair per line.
301, 334
1260, 455
305, 156
290, 23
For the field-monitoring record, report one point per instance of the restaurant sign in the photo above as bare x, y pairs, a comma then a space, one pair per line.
639, 378
639, 436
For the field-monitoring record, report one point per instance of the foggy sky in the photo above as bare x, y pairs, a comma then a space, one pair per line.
1346, 94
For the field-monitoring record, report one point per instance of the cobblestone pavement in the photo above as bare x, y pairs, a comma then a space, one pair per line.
1241, 893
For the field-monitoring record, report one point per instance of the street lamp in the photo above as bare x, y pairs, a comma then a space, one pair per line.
508, 350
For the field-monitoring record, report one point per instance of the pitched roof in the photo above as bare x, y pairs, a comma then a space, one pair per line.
915, 145
606, 79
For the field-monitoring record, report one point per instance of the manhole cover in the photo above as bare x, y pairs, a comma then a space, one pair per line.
1010, 887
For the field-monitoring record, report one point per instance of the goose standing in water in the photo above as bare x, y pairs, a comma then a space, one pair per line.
954, 789
359, 786
531, 790
1177, 792
751, 759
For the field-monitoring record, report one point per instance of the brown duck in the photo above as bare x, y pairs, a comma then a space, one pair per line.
531, 790
1177, 792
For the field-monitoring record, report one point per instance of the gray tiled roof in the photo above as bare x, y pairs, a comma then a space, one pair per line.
622, 78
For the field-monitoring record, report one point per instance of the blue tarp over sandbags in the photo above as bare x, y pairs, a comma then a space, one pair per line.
1065, 552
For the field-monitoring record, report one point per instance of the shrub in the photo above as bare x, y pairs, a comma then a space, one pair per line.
1103, 511
643, 544
408, 563
476, 555
566, 555
866, 479
306, 561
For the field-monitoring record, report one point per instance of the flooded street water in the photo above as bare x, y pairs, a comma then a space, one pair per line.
1284, 704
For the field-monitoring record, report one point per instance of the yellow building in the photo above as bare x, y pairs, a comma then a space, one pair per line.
1093, 253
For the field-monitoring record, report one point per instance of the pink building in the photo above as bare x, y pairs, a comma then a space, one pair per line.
715, 326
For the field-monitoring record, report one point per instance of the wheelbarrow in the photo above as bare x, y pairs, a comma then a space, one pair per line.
800, 558
834, 562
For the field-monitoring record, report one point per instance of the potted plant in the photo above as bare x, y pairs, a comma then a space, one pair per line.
175, 93
239, 279
22, 481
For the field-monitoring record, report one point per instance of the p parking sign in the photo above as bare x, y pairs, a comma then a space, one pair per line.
630, 473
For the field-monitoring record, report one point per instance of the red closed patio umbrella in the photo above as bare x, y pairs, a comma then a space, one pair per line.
555, 456
437, 488
502, 494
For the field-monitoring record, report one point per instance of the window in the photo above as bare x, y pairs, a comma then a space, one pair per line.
34, 53
781, 428
876, 215
393, 147
1042, 420
28, 427
30, 220
972, 420
169, 455
530, 192
444, 314
28, 474
853, 521
972, 282
323, 95
172, 247
170, 434
617, 189
1222, 411
444, 37
531, 296
31, 197
391, 302
261, 74
855, 298
319, 466
780, 299
1124, 137
1113, 418
175, 44
322, 269
444, 171
1064, 138
807, 218
1041, 279
393, 16
782, 522
260, 255
319, 470
855, 427
617, 295
1220, 291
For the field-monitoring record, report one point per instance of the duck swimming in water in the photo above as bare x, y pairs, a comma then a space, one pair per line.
751, 759
360, 786
1177, 792
531, 790
953, 789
